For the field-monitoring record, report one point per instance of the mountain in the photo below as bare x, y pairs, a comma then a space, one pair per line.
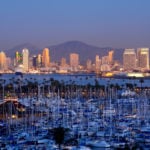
84, 50
32, 49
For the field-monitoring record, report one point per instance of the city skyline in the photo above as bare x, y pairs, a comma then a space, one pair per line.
133, 60
118, 24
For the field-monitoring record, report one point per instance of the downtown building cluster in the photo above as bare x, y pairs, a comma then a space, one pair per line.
136, 60
42, 63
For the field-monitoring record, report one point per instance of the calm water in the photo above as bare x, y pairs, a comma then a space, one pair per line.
81, 79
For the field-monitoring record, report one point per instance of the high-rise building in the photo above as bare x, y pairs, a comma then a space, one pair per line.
129, 59
9, 63
105, 60
110, 56
45, 58
74, 61
39, 60
97, 63
105, 64
3, 64
143, 58
25, 55
63, 62
89, 65
34, 62
18, 58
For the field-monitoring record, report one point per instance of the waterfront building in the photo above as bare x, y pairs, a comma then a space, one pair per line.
105, 67
63, 62
9, 63
105, 60
143, 58
18, 58
89, 65
111, 57
39, 60
34, 62
74, 61
25, 55
3, 64
129, 59
97, 64
45, 58
63, 67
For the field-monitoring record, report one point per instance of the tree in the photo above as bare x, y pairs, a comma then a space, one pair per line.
141, 81
59, 134
97, 84
2, 84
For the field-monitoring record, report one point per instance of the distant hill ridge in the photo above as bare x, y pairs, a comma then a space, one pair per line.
84, 50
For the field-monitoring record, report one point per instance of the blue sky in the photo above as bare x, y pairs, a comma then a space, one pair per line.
115, 23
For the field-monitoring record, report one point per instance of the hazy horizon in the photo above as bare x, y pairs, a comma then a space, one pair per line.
101, 23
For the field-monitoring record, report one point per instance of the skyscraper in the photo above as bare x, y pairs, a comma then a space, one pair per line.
3, 64
45, 58
63, 62
105, 60
74, 61
143, 58
110, 56
129, 59
89, 65
18, 58
34, 62
97, 63
25, 55
39, 60
9, 63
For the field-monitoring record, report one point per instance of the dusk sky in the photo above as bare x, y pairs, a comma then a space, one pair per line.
114, 23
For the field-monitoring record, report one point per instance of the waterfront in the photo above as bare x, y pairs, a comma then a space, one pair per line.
81, 79
96, 111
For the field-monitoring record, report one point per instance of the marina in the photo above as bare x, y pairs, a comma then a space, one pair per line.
91, 112
75, 75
